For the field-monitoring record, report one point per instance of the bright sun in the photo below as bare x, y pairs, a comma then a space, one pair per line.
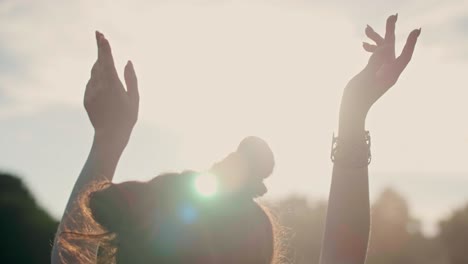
206, 184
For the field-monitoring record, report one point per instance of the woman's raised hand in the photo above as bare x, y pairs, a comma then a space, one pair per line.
113, 111
382, 71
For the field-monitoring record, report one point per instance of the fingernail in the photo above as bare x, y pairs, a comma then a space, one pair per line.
392, 18
419, 32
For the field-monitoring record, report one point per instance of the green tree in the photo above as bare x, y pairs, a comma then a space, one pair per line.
26, 229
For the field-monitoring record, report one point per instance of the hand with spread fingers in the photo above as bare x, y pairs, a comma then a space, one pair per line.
381, 73
113, 111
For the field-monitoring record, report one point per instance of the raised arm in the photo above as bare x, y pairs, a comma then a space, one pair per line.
113, 112
348, 217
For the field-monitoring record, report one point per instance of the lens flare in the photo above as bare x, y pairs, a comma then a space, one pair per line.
188, 214
206, 184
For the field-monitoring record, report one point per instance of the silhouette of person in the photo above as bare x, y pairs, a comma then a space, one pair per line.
165, 221
188, 217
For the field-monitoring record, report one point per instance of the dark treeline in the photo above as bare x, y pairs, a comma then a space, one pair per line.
28, 230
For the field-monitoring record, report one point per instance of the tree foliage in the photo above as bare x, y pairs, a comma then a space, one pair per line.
26, 230
454, 235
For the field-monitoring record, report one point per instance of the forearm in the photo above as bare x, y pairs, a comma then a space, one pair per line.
102, 161
99, 167
348, 215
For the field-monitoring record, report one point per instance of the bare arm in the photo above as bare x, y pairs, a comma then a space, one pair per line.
113, 112
348, 217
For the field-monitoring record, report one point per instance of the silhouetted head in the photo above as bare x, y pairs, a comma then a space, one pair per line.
193, 217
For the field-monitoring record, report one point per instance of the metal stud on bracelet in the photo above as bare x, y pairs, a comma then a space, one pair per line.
355, 154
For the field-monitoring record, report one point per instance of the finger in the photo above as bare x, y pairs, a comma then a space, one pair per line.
93, 80
390, 33
390, 73
370, 33
106, 51
407, 53
105, 55
131, 81
95, 70
98, 43
369, 47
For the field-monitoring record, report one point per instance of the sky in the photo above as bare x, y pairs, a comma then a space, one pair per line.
213, 72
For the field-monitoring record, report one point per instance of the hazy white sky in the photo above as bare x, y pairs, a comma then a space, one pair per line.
213, 72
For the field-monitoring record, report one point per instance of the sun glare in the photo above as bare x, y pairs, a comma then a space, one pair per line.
206, 184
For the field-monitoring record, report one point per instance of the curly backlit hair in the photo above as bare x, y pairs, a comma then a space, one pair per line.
167, 220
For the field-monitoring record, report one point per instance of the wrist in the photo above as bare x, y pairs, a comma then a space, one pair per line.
106, 152
351, 125
104, 156
353, 152
113, 134
111, 143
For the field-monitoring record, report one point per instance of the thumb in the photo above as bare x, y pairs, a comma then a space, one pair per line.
131, 81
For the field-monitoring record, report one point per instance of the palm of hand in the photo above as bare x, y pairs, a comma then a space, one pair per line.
111, 109
382, 71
